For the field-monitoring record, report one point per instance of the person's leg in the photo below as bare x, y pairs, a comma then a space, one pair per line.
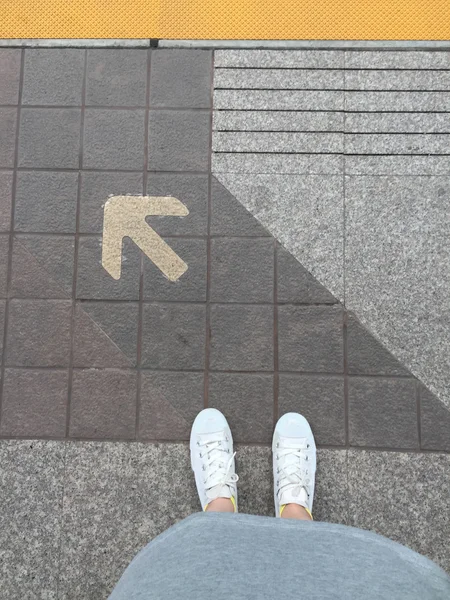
294, 467
212, 460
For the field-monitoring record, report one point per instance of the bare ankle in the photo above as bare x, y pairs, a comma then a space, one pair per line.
295, 511
220, 505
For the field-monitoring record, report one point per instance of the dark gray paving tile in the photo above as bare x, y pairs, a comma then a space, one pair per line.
53, 76
103, 404
242, 270
403, 496
295, 284
116, 77
2, 324
34, 403
181, 79
320, 399
113, 139
95, 191
32, 484
4, 254
246, 399
170, 401
46, 201
38, 333
229, 217
241, 338
310, 338
10, 75
173, 336
42, 266
434, 422
383, 412
8, 121
179, 140
6, 179
49, 138
94, 283
192, 191
366, 355
191, 287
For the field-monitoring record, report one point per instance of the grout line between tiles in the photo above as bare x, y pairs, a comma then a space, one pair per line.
10, 240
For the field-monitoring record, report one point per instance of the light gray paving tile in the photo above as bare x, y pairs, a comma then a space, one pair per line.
397, 277
277, 121
327, 164
297, 59
398, 123
274, 142
331, 490
404, 497
31, 491
276, 79
281, 100
395, 80
395, 101
397, 165
303, 212
416, 59
396, 144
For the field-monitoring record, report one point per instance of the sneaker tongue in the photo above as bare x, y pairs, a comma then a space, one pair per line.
218, 491
292, 443
294, 495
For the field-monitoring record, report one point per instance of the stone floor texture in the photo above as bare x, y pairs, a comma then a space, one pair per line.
299, 169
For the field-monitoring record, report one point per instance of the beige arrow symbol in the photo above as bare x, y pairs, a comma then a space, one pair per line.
124, 216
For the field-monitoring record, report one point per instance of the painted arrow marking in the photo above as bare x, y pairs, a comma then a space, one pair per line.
124, 216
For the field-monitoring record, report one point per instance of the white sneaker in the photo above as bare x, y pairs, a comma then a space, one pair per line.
212, 458
294, 463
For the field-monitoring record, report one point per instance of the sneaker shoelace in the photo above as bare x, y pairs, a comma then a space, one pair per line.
292, 471
217, 467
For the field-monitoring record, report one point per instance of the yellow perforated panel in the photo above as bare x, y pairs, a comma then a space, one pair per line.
227, 19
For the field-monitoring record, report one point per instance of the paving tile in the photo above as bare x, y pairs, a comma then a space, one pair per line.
113, 139
46, 201
361, 79
179, 140
105, 334
174, 336
241, 338
38, 333
229, 217
273, 200
4, 253
31, 480
8, 121
279, 79
95, 190
103, 404
282, 99
6, 179
397, 165
255, 493
295, 284
310, 338
277, 141
383, 412
169, 403
397, 101
42, 266
294, 59
396, 60
331, 488
49, 138
396, 123
53, 76
34, 403
181, 79
295, 164
10, 75
434, 422
94, 283
242, 270
379, 143
404, 497
191, 287
320, 399
366, 355
192, 191
2, 324
278, 120
116, 77
247, 402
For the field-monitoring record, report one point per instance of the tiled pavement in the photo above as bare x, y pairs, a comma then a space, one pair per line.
92, 363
